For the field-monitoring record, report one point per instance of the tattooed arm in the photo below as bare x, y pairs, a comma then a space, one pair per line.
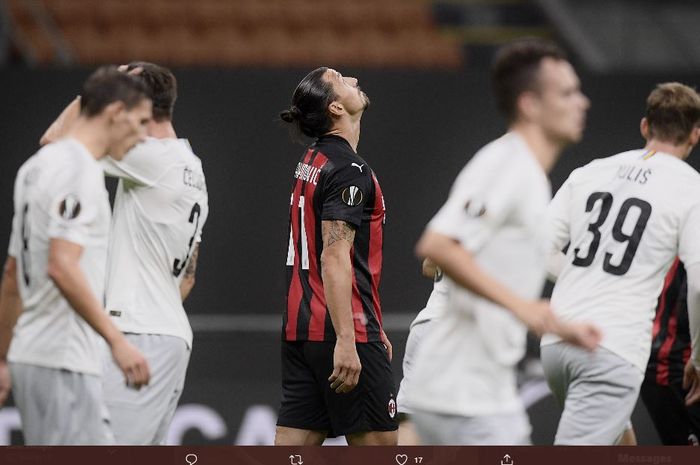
187, 282
336, 272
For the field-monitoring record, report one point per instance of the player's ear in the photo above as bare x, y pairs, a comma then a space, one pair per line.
336, 109
694, 136
644, 128
528, 104
114, 110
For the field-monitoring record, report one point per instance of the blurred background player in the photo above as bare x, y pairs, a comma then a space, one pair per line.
160, 209
420, 326
336, 371
56, 261
625, 217
464, 390
662, 390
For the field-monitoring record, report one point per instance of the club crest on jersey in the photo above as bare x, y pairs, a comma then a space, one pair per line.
352, 196
391, 408
475, 209
69, 208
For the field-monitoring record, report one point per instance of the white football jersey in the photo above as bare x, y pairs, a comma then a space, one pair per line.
626, 217
496, 210
160, 209
59, 194
436, 302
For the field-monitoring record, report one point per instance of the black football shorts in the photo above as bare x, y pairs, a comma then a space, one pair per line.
676, 423
309, 403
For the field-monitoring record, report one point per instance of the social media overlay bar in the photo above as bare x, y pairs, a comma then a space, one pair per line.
343, 455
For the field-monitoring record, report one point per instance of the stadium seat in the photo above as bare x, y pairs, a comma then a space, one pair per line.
246, 32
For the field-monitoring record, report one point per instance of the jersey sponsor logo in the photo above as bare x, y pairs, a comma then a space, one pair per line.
359, 167
475, 209
69, 208
352, 196
115, 313
391, 408
307, 173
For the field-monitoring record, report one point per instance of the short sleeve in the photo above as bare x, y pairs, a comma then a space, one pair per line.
345, 192
689, 237
143, 164
479, 202
15, 247
74, 195
558, 222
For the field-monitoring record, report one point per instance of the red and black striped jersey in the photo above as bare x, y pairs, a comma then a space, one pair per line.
331, 182
670, 347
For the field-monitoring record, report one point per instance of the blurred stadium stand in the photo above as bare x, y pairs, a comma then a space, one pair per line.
604, 35
388, 33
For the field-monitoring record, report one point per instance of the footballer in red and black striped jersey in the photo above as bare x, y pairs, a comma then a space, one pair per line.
336, 358
331, 182
662, 390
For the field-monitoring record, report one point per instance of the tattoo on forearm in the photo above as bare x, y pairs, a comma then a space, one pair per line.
338, 231
192, 264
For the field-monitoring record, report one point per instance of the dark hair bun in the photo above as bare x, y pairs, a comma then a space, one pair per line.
290, 115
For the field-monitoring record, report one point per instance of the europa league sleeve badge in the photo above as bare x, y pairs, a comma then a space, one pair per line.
352, 196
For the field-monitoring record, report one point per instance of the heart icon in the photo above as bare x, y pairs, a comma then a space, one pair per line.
401, 459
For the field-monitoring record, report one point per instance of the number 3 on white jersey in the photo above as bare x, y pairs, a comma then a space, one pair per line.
179, 265
304, 242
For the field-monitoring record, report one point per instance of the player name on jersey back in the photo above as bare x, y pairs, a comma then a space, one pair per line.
638, 174
160, 210
626, 217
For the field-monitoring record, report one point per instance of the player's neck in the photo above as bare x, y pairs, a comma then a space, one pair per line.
680, 151
161, 129
545, 150
92, 134
348, 130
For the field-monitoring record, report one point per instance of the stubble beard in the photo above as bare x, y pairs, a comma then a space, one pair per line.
365, 99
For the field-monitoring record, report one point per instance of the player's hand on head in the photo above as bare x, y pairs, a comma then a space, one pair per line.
132, 363
584, 335
125, 69
346, 367
691, 382
5, 382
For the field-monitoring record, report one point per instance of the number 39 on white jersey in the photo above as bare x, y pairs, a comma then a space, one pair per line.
625, 219
159, 213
